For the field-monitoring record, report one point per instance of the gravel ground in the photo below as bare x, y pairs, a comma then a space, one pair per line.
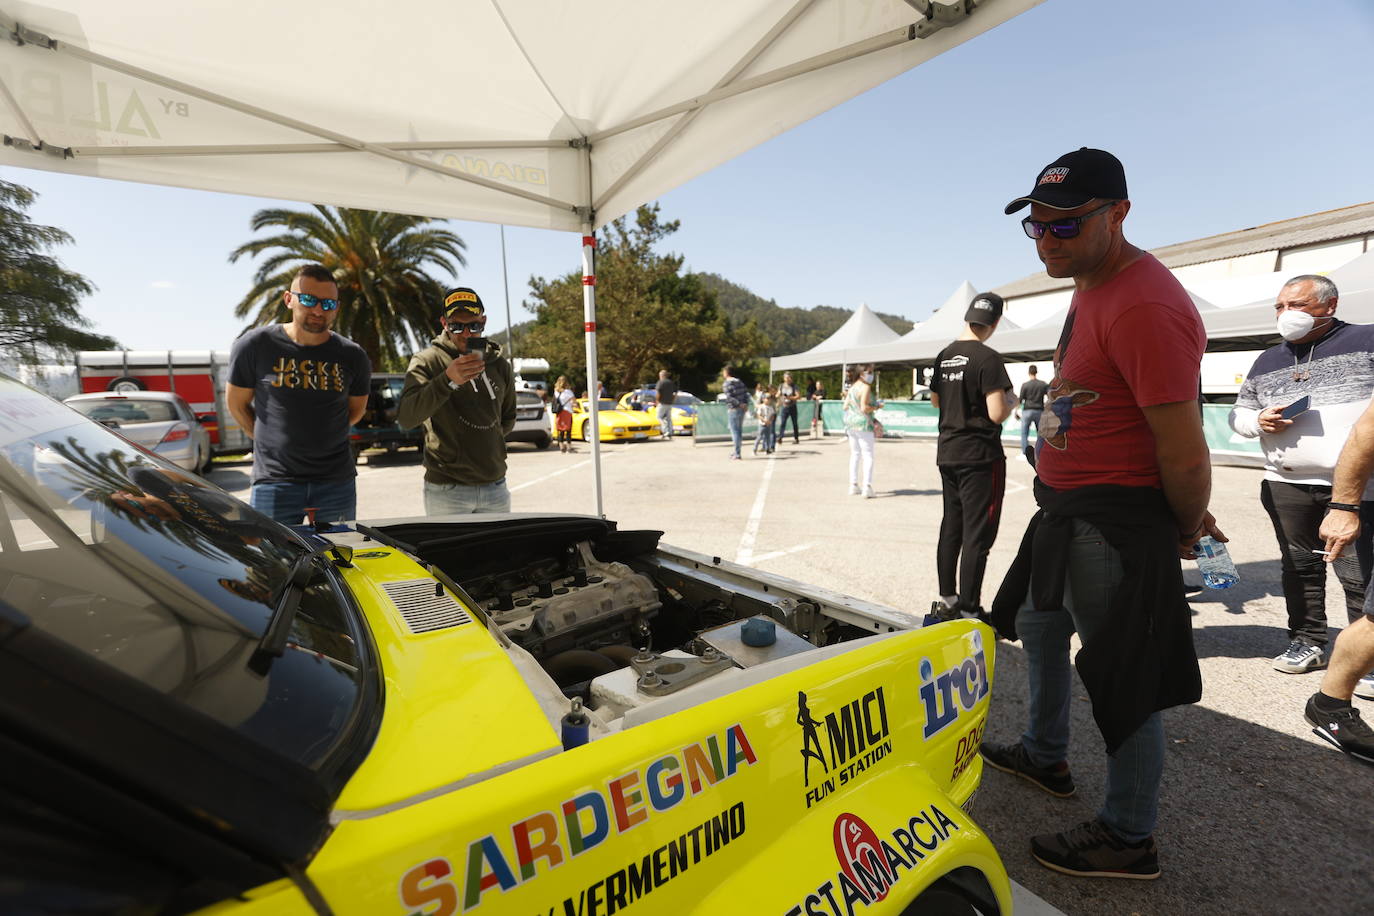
1246, 787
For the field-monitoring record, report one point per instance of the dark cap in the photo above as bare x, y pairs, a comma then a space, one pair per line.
462, 301
985, 308
1074, 179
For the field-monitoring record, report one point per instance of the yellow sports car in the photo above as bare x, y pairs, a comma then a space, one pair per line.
646, 400
204, 711
615, 424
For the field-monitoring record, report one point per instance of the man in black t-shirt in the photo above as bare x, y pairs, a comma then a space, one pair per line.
665, 392
1031, 405
296, 389
971, 390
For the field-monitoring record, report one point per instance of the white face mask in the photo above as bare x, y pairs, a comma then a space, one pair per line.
867, 377
1295, 325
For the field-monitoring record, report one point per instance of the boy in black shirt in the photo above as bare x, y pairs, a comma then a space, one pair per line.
972, 391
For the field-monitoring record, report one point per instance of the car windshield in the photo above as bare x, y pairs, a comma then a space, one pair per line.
606, 404
167, 579
127, 410
686, 400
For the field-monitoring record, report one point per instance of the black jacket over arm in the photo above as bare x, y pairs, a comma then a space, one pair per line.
1144, 660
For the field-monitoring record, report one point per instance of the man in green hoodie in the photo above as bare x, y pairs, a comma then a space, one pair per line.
464, 393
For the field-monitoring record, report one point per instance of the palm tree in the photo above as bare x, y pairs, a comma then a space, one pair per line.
387, 301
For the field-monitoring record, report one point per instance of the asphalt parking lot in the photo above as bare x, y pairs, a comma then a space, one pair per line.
1257, 815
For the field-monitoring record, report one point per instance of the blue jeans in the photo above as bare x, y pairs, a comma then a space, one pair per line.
735, 416
457, 499
287, 500
1131, 807
1029, 417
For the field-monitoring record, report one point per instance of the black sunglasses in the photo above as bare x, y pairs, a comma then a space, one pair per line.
1065, 228
309, 301
472, 327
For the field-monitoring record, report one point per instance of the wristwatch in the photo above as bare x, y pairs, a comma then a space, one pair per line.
454, 385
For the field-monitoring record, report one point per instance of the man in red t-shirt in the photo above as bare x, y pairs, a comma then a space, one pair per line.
1124, 481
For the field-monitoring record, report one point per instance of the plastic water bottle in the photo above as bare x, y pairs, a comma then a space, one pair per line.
1215, 564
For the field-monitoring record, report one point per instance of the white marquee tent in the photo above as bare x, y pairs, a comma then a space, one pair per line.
925, 341
547, 113
860, 331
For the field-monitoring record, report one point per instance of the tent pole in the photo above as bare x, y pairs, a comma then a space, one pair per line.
589, 326
505, 280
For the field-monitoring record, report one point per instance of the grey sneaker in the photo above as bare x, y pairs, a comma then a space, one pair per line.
1090, 850
1299, 658
1364, 687
1013, 759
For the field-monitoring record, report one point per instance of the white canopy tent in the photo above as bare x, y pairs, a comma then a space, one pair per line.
1252, 326
545, 113
923, 342
1039, 340
859, 331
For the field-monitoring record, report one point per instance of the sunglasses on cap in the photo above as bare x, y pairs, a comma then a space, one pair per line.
472, 327
1066, 228
309, 301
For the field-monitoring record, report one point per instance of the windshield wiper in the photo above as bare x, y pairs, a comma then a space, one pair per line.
272, 645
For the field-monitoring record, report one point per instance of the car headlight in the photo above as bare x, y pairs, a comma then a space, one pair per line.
619, 430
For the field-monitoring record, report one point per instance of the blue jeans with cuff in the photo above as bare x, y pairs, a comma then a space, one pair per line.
459, 499
1131, 807
286, 500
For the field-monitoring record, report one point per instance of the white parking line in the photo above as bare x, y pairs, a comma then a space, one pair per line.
780, 553
745, 554
572, 467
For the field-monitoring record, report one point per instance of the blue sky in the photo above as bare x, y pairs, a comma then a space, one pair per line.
1226, 113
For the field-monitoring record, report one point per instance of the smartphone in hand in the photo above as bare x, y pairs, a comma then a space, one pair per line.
478, 345
1297, 407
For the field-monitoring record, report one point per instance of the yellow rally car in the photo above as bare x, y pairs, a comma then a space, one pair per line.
685, 406
203, 710
615, 424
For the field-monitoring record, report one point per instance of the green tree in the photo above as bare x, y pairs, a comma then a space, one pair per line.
39, 297
649, 314
388, 303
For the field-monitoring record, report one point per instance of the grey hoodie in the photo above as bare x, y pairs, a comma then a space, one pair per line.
465, 428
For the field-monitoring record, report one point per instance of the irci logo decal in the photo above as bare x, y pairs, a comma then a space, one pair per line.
951, 693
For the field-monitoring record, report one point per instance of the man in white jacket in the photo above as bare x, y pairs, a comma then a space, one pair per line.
1332, 364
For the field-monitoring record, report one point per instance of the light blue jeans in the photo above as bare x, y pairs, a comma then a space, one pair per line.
457, 499
1131, 807
287, 500
735, 416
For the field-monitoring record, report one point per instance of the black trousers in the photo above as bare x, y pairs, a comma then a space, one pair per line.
1297, 511
788, 411
973, 512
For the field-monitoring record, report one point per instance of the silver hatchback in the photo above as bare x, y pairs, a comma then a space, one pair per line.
159, 421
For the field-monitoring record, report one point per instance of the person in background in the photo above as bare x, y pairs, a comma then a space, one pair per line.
1030, 405
666, 393
297, 389
1329, 710
972, 393
766, 413
1123, 481
860, 428
788, 396
463, 392
816, 396
562, 413
1330, 363
736, 402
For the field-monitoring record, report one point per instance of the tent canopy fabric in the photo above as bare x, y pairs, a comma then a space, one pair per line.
923, 343
859, 331
545, 113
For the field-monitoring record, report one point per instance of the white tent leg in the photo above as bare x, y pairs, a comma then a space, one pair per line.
589, 326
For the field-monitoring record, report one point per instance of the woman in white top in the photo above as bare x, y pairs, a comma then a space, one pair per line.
562, 411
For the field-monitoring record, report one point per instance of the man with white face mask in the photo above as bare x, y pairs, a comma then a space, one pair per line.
1332, 363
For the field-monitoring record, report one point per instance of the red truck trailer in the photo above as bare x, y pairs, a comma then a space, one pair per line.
198, 376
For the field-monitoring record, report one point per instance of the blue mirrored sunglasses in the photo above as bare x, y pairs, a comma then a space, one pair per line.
310, 301
1064, 228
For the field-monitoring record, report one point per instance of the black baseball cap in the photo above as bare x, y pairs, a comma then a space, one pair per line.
462, 300
985, 308
1074, 179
